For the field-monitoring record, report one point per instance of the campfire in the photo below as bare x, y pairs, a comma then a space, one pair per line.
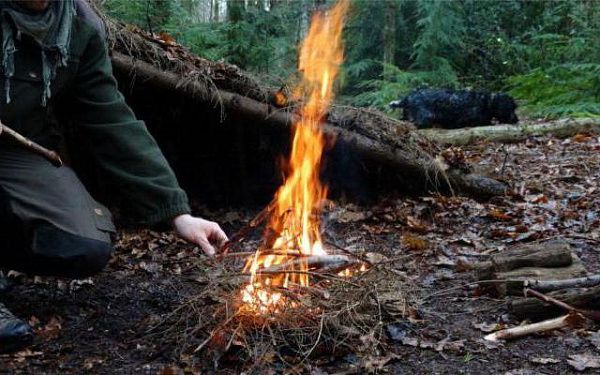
269, 309
292, 242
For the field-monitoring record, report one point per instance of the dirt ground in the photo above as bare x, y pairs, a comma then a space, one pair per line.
101, 325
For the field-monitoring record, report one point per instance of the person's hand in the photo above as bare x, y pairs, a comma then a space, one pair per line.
207, 234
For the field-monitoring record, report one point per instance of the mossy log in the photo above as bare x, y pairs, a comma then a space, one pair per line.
512, 133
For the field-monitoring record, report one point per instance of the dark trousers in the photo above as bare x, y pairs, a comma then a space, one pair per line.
49, 224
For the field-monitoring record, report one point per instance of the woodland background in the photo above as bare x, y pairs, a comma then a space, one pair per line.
545, 53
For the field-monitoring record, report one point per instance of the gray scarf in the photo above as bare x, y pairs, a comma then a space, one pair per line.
51, 29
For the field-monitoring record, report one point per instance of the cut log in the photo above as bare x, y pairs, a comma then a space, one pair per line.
534, 309
546, 254
512, 133
405, 157
515, 279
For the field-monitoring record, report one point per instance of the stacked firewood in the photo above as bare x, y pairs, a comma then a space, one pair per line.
549, 279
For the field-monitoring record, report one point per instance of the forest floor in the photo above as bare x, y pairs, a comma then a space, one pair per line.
100, 325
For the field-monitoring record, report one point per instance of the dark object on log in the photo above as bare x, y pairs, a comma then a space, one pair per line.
50, 155
452, 109
533, 308
414, 155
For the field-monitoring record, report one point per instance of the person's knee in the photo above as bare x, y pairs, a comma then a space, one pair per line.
94, 259
69, 255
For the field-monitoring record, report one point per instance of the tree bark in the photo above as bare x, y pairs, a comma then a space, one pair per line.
512, 133
533, 308
391, 156
552, 285
548, 254
515, 279
389, 37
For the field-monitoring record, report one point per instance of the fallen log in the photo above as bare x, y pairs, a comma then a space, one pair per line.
534, 309
512, 133
407, 157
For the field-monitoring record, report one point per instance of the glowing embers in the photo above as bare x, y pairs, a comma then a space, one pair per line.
292, 235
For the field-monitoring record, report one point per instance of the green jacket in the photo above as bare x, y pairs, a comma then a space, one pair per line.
86, 91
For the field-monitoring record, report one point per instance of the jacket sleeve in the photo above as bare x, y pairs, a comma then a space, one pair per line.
120, 144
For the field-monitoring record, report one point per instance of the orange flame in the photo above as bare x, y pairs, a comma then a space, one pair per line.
293, 230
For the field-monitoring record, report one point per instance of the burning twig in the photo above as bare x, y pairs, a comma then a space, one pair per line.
261, 217
246, 254
321, 262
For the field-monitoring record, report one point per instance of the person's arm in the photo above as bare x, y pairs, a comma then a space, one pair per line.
122, 146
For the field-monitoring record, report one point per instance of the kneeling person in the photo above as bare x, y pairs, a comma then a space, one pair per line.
55, 60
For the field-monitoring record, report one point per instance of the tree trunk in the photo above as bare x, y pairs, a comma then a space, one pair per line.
389, 37
512, 133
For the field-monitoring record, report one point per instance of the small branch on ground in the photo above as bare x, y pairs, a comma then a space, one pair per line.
569, 320
551, 285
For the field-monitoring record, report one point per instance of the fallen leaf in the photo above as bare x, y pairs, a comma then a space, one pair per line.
585, 361
372, 364
89, 363
544, 360
595, 339
446, 344
499, 215
414, 243
581, 138
488, 327
50, 330
171, 370
416, 225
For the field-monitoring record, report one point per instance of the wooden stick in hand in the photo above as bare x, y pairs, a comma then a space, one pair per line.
50, 155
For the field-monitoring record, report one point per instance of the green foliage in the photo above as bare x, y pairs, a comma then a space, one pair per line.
565, 90
379, 92
440, 39
545, 52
